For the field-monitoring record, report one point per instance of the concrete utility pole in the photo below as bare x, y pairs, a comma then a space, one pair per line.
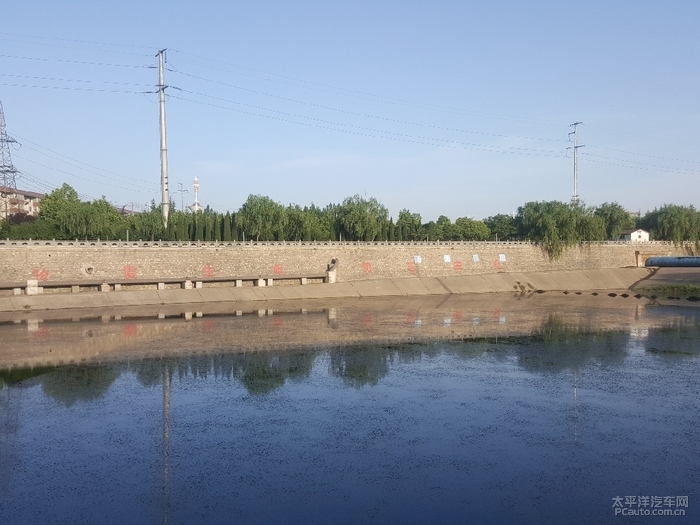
575, 198
163, 144
181, 190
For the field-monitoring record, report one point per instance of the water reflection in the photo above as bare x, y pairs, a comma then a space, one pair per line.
454, 430
555, 346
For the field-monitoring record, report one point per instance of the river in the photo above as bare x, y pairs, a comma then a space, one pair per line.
490, 411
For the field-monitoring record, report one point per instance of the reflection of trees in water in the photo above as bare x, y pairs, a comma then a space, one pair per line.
554, 347
681, 338
260, 373
359, 366
557, 346
17, 375
79, 383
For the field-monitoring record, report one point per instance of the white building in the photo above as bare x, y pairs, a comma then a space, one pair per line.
19, 201
634, 236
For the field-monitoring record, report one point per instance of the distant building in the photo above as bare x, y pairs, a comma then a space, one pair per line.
634, 236
19, 201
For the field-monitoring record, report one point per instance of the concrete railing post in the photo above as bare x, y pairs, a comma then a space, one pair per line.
187, 285
32, 287
260, 282
270, 282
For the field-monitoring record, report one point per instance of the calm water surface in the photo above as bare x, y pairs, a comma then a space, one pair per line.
542, 429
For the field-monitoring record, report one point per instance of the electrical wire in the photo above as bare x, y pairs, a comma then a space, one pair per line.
320, 106
355, 93
54, 79
663, 170
645, 164
383, 135
25, 140
72, 174
68, 88
364, 128
152, 188
77, 41
82, 62
642, 154
67, 47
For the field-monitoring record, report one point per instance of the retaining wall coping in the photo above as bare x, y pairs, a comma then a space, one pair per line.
310, 244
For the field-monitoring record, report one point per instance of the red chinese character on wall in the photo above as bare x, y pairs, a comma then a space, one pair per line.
129, 272
208, 271
458, 266
277, 269
130, 330
40, 274
367, 267
411, 267
496, 264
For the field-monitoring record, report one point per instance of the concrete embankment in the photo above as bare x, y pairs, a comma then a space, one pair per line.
608, 279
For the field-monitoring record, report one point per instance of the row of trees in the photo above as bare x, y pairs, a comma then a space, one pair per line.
554, 224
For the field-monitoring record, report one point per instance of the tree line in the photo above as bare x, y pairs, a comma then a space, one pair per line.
553, 224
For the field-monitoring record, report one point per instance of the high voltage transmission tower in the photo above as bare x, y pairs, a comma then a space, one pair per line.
576, 146
8, 173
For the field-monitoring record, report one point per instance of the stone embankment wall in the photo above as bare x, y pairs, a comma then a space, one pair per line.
71, 260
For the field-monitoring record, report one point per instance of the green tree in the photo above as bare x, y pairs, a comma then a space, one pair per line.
411, 226
362, 219
673, 223
503, 227
262, 217
616, 219
467, 229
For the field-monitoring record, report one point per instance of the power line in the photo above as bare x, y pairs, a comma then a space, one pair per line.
79, 41
70, 88
72, 174
642, 154
68, 47
152, 188
25, 140
82, 62
364, 128
641, 165
356, 93
321, 106
54, 79
477, 147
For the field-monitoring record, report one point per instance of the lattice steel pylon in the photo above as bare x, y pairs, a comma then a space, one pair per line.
8, 173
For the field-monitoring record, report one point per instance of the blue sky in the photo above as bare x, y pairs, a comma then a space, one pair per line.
454, 108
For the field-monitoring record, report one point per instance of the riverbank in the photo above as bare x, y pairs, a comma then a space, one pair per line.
601, 279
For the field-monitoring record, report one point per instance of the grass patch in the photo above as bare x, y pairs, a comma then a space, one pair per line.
677, 290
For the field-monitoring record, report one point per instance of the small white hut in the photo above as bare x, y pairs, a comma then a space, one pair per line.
634, 236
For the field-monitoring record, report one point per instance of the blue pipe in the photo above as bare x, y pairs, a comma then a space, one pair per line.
677, 262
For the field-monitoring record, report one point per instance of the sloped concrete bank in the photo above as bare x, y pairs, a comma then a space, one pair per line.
523, 283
